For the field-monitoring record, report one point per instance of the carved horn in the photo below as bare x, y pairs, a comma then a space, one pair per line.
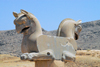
26, 13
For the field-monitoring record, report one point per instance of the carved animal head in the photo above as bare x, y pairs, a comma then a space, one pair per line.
69, 28
23, 22
78, 29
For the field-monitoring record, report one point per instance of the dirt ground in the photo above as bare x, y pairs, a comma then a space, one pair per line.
84, 58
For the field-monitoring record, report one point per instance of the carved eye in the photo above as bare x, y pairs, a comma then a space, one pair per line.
23, 22
20, 23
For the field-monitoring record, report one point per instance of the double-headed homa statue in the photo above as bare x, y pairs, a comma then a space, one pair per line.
36, 46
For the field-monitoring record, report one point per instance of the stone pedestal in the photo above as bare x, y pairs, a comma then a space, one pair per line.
49, 63
44, 63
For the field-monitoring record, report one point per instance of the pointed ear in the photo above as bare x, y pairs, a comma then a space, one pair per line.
78, 22
24, 12
15, 14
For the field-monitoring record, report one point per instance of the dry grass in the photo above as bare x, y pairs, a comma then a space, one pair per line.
92, 53
11, 61
85, 61
84, 58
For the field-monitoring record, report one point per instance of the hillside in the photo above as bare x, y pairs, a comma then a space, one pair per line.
10, 41
90, 35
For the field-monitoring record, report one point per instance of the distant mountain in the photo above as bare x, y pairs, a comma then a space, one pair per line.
10, 41
90, 35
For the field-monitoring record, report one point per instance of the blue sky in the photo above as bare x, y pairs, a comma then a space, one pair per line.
49, 12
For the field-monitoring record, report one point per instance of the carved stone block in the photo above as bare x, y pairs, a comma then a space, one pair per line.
61, 47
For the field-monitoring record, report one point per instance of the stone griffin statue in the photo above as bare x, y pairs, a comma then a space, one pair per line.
70, 29
27, 24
